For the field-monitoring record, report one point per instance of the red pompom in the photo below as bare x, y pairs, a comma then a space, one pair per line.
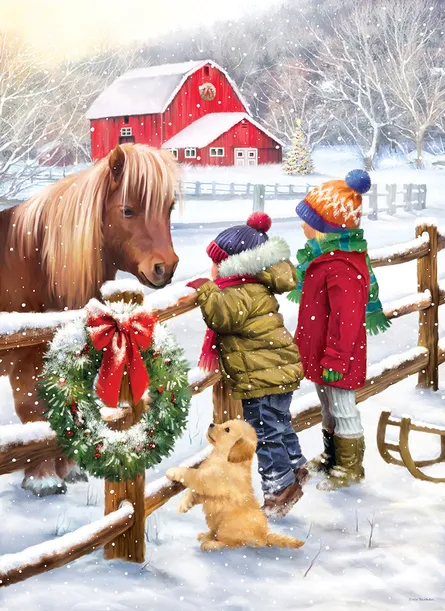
260, 221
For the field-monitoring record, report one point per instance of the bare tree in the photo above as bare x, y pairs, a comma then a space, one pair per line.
26, 86
284, 95
413, 63
340, 67
43, 103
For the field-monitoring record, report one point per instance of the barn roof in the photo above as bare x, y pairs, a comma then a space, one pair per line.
146, 91
208, 128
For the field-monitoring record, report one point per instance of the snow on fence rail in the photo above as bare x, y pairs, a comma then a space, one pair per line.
379, 199
21, 445
58, 552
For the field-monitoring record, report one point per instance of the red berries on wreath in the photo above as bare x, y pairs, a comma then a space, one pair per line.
74, 405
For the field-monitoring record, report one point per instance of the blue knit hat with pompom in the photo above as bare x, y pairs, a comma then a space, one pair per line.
237, 239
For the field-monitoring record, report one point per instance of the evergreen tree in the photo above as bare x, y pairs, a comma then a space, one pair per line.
298, 159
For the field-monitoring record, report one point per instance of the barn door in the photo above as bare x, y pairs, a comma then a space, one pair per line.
252, 156
240, 157
246, 157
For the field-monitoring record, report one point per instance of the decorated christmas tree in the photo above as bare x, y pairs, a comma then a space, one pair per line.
298, 159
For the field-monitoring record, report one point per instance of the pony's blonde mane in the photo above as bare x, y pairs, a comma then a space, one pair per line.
62, 226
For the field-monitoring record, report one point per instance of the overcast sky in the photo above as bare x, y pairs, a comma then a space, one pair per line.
70, 27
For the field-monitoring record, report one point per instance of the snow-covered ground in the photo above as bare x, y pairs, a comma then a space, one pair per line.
400, 567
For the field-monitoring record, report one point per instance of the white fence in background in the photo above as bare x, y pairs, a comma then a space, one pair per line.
380, 199
233, 190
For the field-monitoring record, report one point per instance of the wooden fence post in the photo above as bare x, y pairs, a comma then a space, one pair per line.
225, 407
259, 193
373, 203
197, 189
130, 545
429, 318
421, 197
407, 197
391, 195
232, 188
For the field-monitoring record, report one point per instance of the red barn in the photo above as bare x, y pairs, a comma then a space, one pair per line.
192, 108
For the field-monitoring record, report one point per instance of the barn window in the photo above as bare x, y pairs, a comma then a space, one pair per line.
174, 152
244, 125
190, 153
216, 152
252, 153
206, 70
126, 119
126, 131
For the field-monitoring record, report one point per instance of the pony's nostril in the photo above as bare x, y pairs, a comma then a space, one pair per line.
159, 269
211, 425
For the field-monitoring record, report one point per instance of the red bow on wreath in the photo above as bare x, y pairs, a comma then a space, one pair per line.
121, 338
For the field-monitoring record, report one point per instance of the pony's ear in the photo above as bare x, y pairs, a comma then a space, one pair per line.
243, 450
116, 163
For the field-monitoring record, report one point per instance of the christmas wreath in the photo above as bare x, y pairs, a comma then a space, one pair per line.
82, 374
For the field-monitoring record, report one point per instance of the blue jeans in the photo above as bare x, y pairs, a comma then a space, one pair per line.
278, 450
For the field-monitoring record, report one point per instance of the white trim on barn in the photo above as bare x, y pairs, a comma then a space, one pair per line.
151, 90
208, 128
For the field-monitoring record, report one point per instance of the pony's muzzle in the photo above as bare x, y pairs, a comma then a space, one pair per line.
158, 273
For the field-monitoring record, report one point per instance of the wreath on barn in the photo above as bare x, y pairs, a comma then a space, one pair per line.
80, 382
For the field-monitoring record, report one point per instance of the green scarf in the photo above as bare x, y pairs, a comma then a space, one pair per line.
347, 241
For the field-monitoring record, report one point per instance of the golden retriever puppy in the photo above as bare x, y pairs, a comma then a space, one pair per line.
223, 485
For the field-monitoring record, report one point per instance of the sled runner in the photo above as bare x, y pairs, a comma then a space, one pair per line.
405, 425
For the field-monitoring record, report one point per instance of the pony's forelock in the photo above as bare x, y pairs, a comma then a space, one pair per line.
149, 178
64, 223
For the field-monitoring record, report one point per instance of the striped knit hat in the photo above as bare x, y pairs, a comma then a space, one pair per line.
234, 240
335, 205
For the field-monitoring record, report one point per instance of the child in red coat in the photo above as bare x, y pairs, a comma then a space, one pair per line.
338, 296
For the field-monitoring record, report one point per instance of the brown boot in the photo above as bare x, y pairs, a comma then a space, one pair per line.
348, 468
278, 505
326, 460
302, 475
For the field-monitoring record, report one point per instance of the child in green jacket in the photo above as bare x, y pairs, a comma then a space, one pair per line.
249, 344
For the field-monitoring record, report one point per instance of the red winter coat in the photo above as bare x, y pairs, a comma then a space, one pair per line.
331, 329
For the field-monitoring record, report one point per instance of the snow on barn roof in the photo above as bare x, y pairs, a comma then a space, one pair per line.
146, 91
208, 128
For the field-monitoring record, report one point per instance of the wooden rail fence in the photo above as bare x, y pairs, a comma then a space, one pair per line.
22, 445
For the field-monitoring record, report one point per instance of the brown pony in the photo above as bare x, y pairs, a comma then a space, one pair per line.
57, 249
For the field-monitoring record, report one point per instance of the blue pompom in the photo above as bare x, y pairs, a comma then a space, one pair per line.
358, 180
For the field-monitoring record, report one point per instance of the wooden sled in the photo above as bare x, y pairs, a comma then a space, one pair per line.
402, 447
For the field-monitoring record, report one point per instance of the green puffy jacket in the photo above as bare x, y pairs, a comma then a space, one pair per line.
257, 354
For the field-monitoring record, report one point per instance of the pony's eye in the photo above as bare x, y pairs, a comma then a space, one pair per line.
128, 213
227, 430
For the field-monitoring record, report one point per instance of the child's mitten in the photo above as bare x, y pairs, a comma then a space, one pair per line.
195, 284
331, 376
